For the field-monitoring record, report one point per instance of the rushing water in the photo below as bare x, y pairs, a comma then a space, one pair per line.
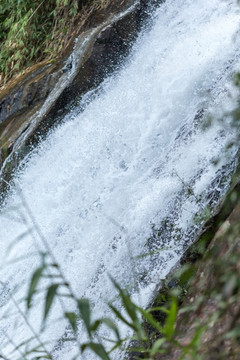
130, 172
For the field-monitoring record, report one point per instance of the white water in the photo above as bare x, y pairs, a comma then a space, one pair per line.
102, 179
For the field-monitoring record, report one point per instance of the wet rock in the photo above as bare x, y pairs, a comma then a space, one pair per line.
110, 47
26, 90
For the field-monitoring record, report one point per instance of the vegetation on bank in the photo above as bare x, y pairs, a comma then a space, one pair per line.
32, 30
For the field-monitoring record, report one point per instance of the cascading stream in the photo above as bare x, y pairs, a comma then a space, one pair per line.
134, 165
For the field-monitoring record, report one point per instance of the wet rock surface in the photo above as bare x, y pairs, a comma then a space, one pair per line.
33, 88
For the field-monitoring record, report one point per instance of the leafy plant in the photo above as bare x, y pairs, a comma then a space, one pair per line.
32, 31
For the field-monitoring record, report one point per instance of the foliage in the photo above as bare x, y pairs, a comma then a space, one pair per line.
32, 30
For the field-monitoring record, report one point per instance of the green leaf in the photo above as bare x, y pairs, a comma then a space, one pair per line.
51, 293
128, 304
97, 348
156, 348
171, 320
158, 308
84, 309
72, 318
119, 316
34, 283
109, 323
151, 320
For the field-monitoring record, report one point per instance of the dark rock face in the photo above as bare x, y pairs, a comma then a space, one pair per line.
34, 88
109, 49
23, 100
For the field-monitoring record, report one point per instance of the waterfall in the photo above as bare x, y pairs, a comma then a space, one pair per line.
130, 173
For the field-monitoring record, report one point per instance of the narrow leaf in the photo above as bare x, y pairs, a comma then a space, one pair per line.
72, 318
119, 316
128, 304
109, 323
151, 320
84, 308
171, 319
97, 348
158, 308
34, 283
156, 348
51, 293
